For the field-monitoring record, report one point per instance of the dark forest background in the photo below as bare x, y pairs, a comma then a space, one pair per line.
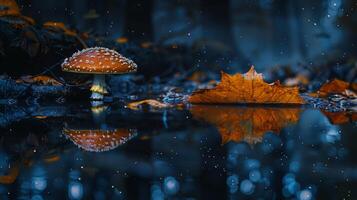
261, 32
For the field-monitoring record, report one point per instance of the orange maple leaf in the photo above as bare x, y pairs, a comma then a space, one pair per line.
247, 88
245, 123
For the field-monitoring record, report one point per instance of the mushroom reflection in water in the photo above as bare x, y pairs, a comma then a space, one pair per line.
98, 61
99, 140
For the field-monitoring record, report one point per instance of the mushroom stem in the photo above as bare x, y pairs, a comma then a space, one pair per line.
98, 87
99, 115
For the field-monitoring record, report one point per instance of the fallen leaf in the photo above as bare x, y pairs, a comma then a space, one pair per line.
58, 27
336, 86
248, 88
99, 140
9, 7
151, 102
40, 80
245, 123
10, 12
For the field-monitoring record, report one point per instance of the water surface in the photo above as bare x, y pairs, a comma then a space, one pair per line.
202, 152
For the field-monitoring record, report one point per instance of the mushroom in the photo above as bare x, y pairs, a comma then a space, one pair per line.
98, 61
99, 140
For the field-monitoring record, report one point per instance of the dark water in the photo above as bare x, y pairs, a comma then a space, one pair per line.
203, 152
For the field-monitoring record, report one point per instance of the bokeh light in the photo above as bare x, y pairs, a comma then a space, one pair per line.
75, 190
305, 195
171, 185
247, 187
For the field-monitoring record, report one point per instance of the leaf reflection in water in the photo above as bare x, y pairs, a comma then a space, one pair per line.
99, 140
245, 123
340, 117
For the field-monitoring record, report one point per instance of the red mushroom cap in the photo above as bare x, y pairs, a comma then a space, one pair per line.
99, 140
98, 60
